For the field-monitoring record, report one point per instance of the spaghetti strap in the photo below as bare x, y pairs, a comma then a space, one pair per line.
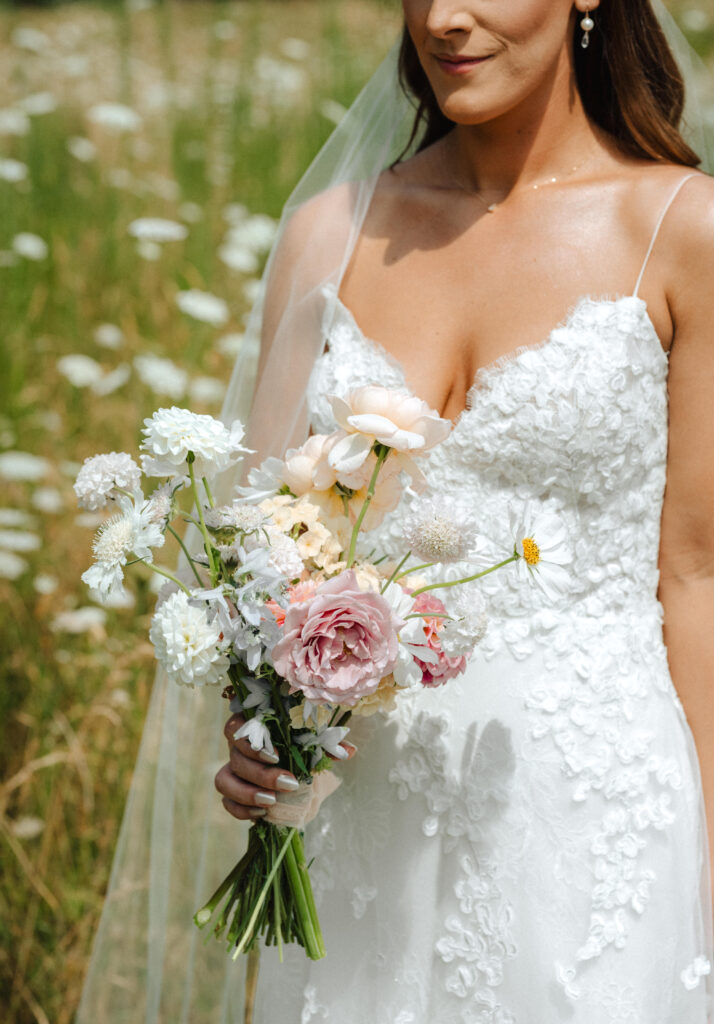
659, 224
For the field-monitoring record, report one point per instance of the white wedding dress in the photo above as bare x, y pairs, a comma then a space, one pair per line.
527, 844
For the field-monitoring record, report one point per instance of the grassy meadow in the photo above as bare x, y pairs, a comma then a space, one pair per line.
146, 149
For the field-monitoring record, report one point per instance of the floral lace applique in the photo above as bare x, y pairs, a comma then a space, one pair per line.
463, 811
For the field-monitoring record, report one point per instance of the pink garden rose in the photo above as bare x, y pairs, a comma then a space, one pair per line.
436, 673
339, 644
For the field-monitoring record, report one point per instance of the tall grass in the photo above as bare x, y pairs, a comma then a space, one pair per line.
217, 129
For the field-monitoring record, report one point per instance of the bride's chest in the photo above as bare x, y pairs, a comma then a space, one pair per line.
589, 399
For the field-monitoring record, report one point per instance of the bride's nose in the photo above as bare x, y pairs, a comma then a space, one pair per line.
448, 17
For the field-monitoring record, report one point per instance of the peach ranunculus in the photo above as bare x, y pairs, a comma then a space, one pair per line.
337, 646
307, 468
400, 421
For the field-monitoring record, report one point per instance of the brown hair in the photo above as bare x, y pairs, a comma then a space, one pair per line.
628, 79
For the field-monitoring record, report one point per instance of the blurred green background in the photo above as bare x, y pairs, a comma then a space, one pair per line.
146, 149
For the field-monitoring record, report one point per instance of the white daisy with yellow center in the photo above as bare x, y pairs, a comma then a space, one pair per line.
541, 544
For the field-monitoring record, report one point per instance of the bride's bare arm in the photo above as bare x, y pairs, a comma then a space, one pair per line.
686, 587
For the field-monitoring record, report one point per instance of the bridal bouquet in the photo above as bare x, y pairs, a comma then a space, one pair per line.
287, 609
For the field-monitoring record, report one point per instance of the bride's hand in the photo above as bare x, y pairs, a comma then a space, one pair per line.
248, 783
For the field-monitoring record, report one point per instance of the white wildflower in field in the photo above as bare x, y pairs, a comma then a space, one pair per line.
256, 232
79, 620
108, 335
157, 229
190, 212
12, 170
332, 110
295, 49
30, 246
251, 290
440, 530
186, 643
19, 540
203, 306
47, 500
45, 583
224, 29
23, 466
110, 382
27, 827
14, 121
230, 344
115, 116
148, 250
170, 434
38, 103
162, 375
80, 370
238, 257
16, 517
27, 38
101, 475
207, 390
11, 565
81, 149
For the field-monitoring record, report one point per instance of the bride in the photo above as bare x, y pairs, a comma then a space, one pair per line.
529, 844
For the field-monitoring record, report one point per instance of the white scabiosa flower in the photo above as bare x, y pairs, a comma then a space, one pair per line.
540, 539
133, 530
284, 553
468, 626
100, 476
440, 530
170, 434
186, 643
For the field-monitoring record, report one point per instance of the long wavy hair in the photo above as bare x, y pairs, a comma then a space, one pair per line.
628, 79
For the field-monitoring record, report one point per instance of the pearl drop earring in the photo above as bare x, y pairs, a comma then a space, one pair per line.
586, 24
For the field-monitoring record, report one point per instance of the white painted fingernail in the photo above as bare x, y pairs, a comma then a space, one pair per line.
287, 783
269, 758
265, 799
257, 812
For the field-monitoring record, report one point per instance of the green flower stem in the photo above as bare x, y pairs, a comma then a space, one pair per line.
466, 579
415, 568
382, 453
248, 930
201, 522
167, 574
185, 551
211, 502
395, 574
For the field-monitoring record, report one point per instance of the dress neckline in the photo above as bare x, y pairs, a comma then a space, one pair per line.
494, 367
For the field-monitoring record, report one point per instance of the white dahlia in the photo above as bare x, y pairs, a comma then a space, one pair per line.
101, 475
186, 643
170, 434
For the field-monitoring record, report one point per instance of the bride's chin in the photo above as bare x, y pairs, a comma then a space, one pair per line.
466, 110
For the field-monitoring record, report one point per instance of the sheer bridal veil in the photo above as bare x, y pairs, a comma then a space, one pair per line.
149, 963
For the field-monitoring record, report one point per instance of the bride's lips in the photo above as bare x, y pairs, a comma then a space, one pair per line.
459, 65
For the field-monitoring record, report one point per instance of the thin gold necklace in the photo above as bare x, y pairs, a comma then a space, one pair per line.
491, 207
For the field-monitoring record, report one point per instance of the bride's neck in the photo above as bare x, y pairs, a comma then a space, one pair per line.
524, 146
